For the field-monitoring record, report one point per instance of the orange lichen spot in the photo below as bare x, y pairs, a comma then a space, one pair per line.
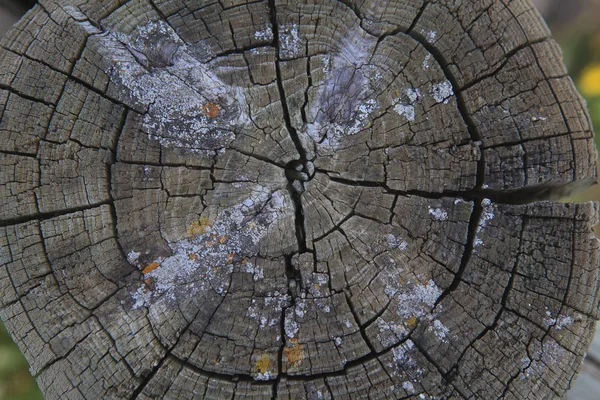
243, 261
199, 227
193, 256
148, 281
426, 283
294, 352
150, 267
223, 239
412, 321
211, 110
263, 363
230, 258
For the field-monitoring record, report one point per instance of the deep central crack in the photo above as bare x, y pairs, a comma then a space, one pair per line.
297, 171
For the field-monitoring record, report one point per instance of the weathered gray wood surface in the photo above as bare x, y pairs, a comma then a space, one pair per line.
331, 199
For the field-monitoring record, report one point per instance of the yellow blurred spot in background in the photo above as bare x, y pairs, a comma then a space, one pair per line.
589, 82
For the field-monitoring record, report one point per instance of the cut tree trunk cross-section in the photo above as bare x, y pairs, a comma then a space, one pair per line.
324, 199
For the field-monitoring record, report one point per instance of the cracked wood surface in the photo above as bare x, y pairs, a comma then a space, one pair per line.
323, 199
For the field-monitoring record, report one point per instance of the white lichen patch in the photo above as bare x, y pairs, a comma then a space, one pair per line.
538, 118
390, 332
549, 355
290, 44
487, 215
430, 36
263, 376
439, 330
188, 105
426, 61
328, 135
557, 322
441, 92
132, 257
406, 111
405, 106
264, 34
416, 299
409, 387
438, 214
267, 310
206, 259
395, 242
256, 271
403, 360
413, 304
488, 212
290, 326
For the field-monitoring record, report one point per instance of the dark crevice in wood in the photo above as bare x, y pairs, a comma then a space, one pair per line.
529, 140
17, 153
66, 356
169, 351
460, 101
296, 197
507, 58
362, 328
50, 214
69, 77
240, 51
258, 157
25, 96
524, 195
418, 17
113, 160
446, 377
503, 308
474, 226
160, 165
282, 97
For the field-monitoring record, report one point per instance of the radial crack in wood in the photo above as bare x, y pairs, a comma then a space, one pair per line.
279, 199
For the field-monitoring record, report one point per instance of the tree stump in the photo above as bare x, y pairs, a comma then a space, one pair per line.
272, 199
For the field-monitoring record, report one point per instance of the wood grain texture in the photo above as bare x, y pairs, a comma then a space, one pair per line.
330, 199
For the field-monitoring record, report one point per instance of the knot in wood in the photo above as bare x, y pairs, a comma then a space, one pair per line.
281, 199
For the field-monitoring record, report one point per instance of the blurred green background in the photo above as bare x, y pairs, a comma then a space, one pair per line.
574, 23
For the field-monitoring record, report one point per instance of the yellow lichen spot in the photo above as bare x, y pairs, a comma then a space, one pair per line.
230, 258
412, 321
211, 110
263, 363
199, 227
294, 352
150, 267
193, 256
589, 82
